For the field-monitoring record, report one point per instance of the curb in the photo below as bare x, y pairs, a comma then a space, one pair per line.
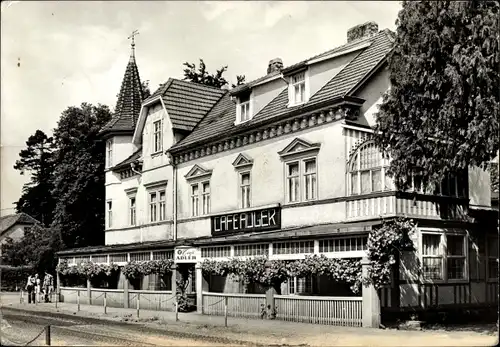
163, 331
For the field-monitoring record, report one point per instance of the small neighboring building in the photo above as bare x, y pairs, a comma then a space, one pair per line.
15, 226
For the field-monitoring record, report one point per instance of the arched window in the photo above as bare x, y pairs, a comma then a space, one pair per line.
366, 171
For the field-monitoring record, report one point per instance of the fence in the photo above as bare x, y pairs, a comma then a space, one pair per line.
238, 305
152, 300
341, 311
114, 297
149, 300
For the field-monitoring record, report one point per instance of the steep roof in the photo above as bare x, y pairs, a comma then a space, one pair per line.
129, 101
220, 120
187, 102
6, 222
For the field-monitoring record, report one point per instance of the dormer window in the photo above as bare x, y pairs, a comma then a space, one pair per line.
243, 108
298, 88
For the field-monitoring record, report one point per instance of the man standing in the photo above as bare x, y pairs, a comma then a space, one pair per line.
48, 286
30, 287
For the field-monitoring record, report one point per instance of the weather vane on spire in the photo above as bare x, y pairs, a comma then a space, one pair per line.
132, 36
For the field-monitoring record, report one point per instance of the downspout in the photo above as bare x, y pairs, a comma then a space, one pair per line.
175, 200
174, 194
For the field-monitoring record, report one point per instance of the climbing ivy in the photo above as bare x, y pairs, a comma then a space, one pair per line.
86, 269
137, 269
383, 245
271, 273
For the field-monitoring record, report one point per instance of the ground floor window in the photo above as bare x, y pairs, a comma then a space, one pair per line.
158, 282
300, 285
492, 258
443, 256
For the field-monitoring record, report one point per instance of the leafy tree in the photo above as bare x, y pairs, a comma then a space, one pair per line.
36, 249
202, 76
240, 79
79, 175
440, 115
37, 159
146, 92
493, 169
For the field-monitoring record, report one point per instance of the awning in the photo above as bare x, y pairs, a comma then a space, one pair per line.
136, 246
290, 233
332, 229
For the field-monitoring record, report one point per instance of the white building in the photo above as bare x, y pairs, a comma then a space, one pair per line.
283, 166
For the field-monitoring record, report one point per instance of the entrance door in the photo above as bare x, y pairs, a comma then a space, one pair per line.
186, 282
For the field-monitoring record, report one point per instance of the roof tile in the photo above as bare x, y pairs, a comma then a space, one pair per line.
129, 101
220, 120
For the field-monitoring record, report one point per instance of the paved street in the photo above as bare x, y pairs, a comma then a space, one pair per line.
160, 328
18, 328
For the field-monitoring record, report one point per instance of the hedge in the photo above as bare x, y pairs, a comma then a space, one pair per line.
14, 278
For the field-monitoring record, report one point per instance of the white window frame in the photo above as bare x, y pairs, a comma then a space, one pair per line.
244, 111
205, 197
244, 105
291, 179
355, 170
109, 213
195, 199
158, 206
444, 256
157, 136
132, 219
245, 190
109, 153
153, 206
301, 176
162, 204
293, 283
303, 85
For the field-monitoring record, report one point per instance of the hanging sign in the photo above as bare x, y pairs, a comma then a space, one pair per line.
186, 255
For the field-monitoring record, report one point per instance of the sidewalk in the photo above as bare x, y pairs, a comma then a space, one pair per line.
262, 332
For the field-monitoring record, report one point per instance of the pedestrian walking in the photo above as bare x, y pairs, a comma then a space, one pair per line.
37, 288
30, 287
48, 286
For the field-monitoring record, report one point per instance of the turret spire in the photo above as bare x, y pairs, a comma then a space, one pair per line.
130, 97
132, 36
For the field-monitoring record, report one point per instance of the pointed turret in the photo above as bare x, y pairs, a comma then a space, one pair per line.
129, 101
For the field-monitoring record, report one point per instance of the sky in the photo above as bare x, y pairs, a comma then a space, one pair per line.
60, 54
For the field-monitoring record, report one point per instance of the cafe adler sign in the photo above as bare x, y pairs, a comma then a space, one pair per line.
186, 255
247, 221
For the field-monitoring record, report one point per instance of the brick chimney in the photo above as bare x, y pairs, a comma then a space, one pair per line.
361, 31
275, 64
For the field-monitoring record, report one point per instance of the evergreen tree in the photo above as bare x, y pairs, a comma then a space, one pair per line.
441, 113
37, 159
79, 176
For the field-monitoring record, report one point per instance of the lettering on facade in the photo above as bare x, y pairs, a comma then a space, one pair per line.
249, 221
186, 255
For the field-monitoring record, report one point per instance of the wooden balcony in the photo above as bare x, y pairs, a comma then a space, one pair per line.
413, 205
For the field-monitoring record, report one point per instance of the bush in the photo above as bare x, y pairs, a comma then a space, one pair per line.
14, 278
